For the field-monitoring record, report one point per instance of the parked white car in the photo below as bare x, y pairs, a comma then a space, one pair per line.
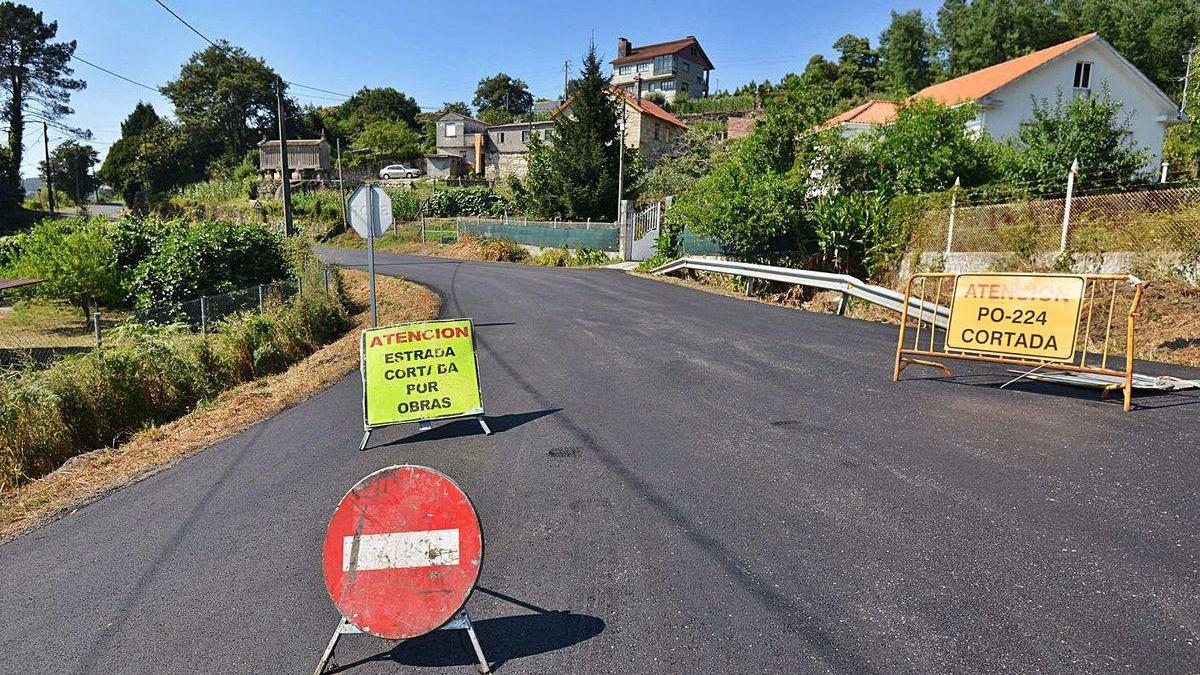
398, 171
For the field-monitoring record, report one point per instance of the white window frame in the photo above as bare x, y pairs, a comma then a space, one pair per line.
1083, 75
524, 136
645, 66
626, 69
451, 129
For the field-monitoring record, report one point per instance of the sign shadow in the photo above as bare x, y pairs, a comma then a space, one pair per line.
459, 428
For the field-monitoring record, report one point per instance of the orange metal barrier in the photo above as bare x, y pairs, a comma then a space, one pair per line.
919, 338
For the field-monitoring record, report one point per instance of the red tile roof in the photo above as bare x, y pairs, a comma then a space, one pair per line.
872, 112
643, 106
976, 85
662, 49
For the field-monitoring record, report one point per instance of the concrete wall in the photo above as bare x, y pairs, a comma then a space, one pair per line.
1013, 103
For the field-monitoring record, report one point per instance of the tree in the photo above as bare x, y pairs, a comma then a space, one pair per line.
926, 148
501, 92
71, 170
227, 97
982, 33
1090, 129
152, 162
143, 118
905, 53
857, 67
76, 260
35, 75
386, 142
575, 175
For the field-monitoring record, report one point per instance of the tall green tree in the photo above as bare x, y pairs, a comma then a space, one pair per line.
905, 50
982, 33
502, 94
574, 176
225, 97
35, 76
143, 118
1094, 130
71, 170
857, 67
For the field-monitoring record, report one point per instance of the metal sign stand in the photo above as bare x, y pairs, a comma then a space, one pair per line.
373, 223
460, 622
426, 425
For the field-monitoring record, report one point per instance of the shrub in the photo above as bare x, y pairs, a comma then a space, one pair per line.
478, 201
75, 258
591, 257
555, 257
502, 250
205, 258
146, 376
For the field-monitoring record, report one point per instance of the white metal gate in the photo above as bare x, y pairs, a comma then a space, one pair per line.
646, 225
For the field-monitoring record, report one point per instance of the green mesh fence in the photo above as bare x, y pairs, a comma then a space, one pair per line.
695, 244
598, 236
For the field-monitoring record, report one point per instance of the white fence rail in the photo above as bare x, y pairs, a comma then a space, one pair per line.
844, 283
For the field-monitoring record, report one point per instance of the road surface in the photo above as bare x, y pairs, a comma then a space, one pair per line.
679, 482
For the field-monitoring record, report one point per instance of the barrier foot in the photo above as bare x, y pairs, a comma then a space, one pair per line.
366, 437
921, 362
324, 662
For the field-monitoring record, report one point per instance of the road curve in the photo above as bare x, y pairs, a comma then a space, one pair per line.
679, 482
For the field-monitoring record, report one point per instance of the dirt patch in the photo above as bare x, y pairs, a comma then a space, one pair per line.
90, 476
1169, 330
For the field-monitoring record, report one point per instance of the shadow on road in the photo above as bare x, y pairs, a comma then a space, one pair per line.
1142, 399
503, 639
470, 427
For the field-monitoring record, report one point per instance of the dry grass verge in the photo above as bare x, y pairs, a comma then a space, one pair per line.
90, 476
1168, 332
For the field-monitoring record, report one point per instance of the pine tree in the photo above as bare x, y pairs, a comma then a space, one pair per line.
574, 176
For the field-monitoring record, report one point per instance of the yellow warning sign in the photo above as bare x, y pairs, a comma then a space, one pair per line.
1029, 315
420, 371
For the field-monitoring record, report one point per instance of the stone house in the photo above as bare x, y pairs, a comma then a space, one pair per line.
678, 69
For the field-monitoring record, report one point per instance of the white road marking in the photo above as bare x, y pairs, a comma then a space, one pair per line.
401, 550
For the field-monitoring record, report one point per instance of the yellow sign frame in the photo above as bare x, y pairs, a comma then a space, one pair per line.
446, 356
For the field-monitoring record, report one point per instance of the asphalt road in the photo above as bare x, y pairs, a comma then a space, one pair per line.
679, 482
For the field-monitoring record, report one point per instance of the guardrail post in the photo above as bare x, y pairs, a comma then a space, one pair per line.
204, 316
96, 327
749, 285
260, 298
843, 303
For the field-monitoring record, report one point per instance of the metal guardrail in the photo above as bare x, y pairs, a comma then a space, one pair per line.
844, 283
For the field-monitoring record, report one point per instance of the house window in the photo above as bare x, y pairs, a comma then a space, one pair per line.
1083, 75
669, 85
683, 86
645, 66
501, 136
687, 67
664, 65
451, 129
626, 69
657, 131
524, 136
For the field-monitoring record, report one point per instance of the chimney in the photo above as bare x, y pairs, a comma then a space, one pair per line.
623, 47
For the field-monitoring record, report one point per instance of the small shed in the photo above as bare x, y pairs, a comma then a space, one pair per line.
308, 159
445, 166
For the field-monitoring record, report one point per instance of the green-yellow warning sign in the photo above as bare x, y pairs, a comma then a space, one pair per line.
419, 371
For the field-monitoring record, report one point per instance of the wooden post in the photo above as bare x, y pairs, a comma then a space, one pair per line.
283, 160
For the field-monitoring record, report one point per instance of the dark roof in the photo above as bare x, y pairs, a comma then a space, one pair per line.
296, 141
9, 284
662, 49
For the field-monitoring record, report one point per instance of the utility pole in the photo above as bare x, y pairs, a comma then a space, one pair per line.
49, 169
566, 78
342, 186
1187, 77
283, 160
621, 159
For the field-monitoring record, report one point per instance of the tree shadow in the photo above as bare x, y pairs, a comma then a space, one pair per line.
470, 427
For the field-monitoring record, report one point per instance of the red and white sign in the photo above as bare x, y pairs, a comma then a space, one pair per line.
402, 552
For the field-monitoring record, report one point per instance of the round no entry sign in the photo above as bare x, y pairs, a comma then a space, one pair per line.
402, 552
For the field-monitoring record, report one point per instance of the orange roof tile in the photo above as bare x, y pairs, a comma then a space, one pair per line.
976, 85
661, 49
872, 112
643, 106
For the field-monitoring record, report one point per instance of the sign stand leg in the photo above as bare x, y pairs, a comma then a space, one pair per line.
337, 633
483, 662
483, 423
366, 438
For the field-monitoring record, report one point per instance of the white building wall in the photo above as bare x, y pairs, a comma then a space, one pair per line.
1143, 106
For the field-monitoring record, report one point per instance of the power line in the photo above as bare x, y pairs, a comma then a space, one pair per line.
117, 75
226, 50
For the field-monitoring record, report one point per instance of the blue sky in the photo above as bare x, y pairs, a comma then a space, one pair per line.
434, 51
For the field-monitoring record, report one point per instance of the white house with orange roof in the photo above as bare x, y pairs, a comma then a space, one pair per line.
1005, 93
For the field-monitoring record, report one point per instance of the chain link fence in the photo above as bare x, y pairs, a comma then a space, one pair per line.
1097, 230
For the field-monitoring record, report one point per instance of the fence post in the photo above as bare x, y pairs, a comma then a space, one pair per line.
203, 316
299, 284
953, 209
1165, 166
1066, 223
260, 298
326, 278
96, 327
